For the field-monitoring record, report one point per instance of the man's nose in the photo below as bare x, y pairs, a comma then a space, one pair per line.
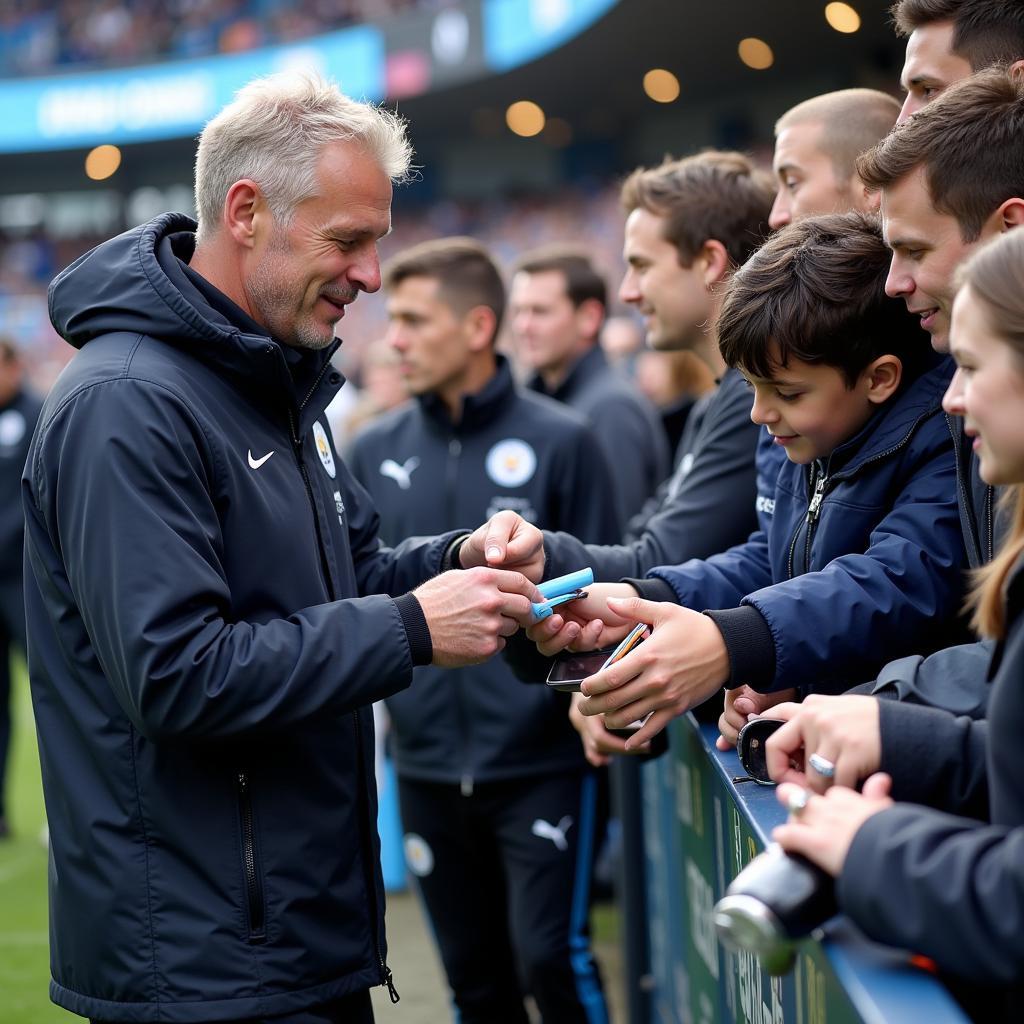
629, 290
898, 283
780, 215
364, 273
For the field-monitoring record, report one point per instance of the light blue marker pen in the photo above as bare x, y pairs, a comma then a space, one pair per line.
561, 589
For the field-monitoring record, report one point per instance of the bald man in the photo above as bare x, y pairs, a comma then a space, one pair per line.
817, 143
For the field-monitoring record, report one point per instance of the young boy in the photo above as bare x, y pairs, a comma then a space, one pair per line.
861, 560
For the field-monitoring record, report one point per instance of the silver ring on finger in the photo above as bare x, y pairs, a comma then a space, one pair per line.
797, 801
822, 765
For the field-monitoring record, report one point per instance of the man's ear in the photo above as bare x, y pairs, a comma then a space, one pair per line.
589, 318
882, 377
244, 207
1011, 213
716, 262
479, 324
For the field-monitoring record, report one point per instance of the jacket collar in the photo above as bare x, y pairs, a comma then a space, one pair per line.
895, 422
589, 365
478, 409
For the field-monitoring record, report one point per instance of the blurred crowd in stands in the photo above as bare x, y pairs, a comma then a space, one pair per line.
508, 226
37, 36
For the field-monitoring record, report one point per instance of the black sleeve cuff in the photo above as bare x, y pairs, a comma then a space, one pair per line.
750, 645
421, 647
652, 589
450, 558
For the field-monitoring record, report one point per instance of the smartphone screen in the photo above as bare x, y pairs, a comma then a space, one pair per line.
569, 669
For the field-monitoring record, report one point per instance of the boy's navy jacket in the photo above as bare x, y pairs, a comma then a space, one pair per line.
510, 449
199, 691
862, 560
949, 882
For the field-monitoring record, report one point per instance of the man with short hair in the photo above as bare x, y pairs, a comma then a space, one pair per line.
497, 803
817, 143
207, 602
951, 178
558, 306
947, 40
689, 223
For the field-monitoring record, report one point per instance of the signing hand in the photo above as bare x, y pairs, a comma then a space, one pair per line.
584, 625
824, 830
506, 541
470, 613
740, 704
843, 730
682, 664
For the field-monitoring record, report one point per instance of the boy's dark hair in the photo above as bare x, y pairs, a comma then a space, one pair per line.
465, 271
985, 32
583, 281
712, 195
815, 291
971, 143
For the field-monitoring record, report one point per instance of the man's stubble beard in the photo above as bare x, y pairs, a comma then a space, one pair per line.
270, 294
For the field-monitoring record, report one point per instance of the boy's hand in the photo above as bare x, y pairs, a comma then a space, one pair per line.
598, 743
505, 541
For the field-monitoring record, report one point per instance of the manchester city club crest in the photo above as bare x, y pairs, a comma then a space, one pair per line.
323, 448
511, 462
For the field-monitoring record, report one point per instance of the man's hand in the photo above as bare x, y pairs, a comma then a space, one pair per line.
740, 704
843, 730
585, 624
824, 830
682, 664
598, 743
470, 613
506, 541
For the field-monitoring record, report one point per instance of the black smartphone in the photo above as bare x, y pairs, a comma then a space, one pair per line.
658, 743
569, 668
750, 748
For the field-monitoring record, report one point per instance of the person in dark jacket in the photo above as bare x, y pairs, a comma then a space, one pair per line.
861, 560
946, 880
19, 410
557, 305
497, 800
208, 597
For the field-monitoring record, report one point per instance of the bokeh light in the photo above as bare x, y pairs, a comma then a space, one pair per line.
525, 118
756, 53
102, 162
661, 85
842, 17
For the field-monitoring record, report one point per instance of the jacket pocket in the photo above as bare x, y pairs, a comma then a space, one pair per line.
251, 873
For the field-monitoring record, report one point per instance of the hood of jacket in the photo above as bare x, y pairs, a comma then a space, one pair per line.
134, 283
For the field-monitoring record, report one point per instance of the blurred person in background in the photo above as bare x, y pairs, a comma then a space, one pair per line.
817, 143
558, 305
19, 410
498, 804
673, 382
947, 40
210, 608
622, 339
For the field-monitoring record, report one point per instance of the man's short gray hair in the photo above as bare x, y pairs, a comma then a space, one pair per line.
273, 132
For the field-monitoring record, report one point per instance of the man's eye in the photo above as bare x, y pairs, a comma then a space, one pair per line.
791, 183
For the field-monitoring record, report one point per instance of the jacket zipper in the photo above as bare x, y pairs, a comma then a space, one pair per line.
387, 978
814, 505
253, 890
451, 478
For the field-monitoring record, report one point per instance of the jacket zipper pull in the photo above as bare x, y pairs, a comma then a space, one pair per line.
816, 499
390, 982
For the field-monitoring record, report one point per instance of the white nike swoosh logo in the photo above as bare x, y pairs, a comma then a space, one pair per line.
256, 463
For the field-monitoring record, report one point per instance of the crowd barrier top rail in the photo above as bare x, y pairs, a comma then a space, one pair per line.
701, 827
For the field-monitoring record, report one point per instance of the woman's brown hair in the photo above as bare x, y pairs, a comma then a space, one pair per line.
994, 274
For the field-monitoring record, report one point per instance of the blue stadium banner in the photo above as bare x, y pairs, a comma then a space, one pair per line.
516, 31
173, 99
